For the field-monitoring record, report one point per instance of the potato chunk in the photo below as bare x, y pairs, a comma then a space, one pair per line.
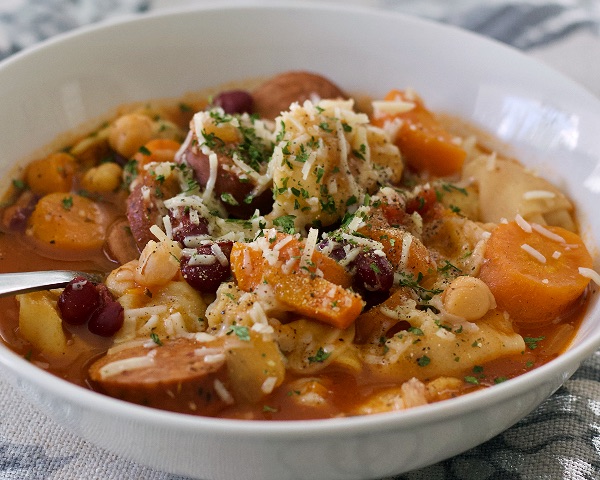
40, 323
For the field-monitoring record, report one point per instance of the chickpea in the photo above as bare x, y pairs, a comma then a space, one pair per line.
468, 297
103, 178
129, 132
159, 263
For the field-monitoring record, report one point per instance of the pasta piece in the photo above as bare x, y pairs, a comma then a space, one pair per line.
508, 189
431, 351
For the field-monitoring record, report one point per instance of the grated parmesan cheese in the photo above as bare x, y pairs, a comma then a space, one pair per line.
223, 393
218, 253
391, 107
534, 253
158, 233
407, 239
309, 247
547, 233
214, 358
538, 195
127, 364
524, 224
591, 274
213, 163
268, 385
168, 227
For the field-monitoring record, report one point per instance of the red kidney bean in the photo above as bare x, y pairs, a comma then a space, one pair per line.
107, 320
374, 272
207, 277
15, 216
183, 226
337, 252
234, 101
78, 301
108, 317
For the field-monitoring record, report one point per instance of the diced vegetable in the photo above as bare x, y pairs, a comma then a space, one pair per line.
67, 222
40, 324
316, 298
249, 265
321, 298
156, 150
51, 174
424, 143
534, 276
255, 367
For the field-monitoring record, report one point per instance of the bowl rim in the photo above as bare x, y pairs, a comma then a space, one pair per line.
330, 427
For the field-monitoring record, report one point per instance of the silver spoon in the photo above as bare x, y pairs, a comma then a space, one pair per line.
23, 282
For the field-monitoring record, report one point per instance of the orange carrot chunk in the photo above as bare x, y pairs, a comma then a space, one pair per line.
249, 265
156, 150
424, 143
296, 281
316, 298
535, 276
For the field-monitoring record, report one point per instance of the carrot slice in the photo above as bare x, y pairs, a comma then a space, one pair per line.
316, 298
297, 282
156, 150
424, 143
249, 265
51, 174
67, 224
534, 276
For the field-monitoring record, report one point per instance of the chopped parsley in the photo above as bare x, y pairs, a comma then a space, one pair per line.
411, 282
17, 183
229, 199
67, 203
325, 126
144, 151
320, 356
130, 171
156, 339
423, 361
532, 342
242, 332
416, 331
286, 223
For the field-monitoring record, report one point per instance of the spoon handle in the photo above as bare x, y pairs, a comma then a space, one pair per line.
22, 282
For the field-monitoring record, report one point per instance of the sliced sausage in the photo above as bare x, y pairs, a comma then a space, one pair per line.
120, 245
15, 216
181, 375
228, 183
278, 93
145, 206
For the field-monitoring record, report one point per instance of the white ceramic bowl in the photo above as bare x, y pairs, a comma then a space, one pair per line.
548, 121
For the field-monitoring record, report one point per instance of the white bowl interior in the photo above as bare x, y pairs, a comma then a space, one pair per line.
549, 122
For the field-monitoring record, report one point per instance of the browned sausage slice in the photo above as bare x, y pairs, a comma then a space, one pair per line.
228, 182
145, 206
277, 94
181, 375
120, 245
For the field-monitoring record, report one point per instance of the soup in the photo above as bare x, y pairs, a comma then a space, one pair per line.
287, 252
